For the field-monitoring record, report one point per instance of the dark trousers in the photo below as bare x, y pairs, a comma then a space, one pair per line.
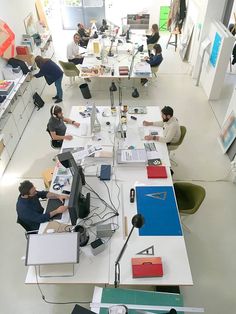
76, 60
59, 88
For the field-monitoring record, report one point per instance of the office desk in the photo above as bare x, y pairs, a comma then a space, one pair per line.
123, 53
171, 248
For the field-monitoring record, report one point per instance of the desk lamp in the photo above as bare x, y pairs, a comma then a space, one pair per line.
137, 222
112, 89
140, 49
135, 93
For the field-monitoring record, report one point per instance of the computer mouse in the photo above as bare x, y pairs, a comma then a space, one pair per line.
50, 230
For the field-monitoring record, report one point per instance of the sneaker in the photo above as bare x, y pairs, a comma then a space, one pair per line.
144, 81
87, 80
58, 100
55, 97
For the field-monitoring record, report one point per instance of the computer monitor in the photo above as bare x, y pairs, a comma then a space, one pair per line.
79, 205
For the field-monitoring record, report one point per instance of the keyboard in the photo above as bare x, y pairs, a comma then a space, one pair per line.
150, 147
52, 205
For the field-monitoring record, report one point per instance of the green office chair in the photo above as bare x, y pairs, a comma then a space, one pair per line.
189, 198
174, 146
70, 70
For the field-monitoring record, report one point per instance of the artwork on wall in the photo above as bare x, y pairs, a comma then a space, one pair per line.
30, 27
186, 38
228, 132
7, 41
215, 49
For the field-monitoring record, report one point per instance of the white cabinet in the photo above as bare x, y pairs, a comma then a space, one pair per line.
10, 133
4, 159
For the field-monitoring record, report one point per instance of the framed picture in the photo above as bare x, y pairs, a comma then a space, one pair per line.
228, 132
30, 27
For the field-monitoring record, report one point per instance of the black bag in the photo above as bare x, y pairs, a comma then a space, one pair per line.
38, 101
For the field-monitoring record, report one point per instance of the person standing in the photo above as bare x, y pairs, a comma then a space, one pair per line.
52, 74
170, 124
57, 128
28, 207
73, 51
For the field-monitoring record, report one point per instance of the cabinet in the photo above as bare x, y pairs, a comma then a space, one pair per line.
138, 21
16, 112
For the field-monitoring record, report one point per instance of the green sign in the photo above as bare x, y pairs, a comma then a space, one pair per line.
164, 13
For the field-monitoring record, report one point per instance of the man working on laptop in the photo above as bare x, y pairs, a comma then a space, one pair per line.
170, 124
28, 207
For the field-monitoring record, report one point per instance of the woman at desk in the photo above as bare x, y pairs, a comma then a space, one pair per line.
154, 37
56, 126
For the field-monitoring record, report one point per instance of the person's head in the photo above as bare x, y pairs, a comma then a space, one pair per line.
56, 111
80, 26
40, 61
76, 38
157, 49
155, 28
167, 113
27, 189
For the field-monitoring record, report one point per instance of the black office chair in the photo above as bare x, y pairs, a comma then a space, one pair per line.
54, 143
28, 229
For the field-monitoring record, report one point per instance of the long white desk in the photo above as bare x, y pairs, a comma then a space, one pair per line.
100, 268
122, 56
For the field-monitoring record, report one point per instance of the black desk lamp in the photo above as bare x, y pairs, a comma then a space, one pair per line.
137, 222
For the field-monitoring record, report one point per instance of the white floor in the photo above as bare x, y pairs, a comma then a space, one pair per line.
210, 245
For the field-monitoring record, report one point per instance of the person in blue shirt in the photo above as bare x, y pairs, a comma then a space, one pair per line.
154, 60
29, 209
52, 74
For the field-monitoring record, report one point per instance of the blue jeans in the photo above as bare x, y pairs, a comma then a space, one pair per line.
59, 88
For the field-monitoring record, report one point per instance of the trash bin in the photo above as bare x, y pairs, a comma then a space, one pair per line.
85, 91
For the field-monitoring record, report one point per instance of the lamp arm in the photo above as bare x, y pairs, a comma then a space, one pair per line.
132, 64
123, 248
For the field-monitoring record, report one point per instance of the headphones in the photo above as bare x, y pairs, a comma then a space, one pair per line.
53, 111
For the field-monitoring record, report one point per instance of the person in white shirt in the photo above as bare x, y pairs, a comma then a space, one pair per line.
73, 51
170, 124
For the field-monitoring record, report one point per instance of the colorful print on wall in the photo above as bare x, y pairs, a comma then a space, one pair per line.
215, 49
7, 41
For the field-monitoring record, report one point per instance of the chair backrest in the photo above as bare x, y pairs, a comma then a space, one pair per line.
69, 68
183, 131
189, 196
54, 143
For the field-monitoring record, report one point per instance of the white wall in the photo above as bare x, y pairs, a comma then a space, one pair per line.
115, 9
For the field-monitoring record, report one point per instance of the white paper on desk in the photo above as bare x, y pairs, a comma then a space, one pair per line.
153, 154
90, 150
133, 155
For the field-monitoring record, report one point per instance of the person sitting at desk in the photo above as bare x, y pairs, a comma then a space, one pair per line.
170, 125
73, 51
52, 74
29, 209
154, 37
154, 60
57, 128
84, 35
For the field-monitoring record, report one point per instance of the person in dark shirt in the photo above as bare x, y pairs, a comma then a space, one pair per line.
84, 35
52, 74
154, 37
29, 209
154, 60
57, 128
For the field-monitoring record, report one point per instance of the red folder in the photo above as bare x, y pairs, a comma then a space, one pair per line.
156, 172
147, 267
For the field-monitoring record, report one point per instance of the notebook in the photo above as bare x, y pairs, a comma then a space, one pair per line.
156, 172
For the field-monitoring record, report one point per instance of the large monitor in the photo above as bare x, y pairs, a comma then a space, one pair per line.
79, 205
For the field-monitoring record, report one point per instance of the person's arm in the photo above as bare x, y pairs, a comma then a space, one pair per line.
59, 210
155, 60
70, 121
56, 137
51, 195
39, 74
156, 123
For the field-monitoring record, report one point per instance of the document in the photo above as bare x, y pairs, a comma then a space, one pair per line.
133, 155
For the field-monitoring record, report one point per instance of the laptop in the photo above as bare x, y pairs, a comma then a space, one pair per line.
52, 205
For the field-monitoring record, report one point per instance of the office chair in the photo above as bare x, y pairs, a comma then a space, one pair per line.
70, 70
54, 144
27, 228
189, 198
174, 146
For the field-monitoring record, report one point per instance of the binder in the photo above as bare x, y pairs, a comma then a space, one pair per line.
147, 267
156, 172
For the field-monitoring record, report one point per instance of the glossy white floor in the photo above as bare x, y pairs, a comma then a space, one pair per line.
210, 245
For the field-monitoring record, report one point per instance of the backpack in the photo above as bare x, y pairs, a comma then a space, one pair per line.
38, 101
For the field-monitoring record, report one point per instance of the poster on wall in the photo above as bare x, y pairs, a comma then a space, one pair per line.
7, 38
215, 49
228, 132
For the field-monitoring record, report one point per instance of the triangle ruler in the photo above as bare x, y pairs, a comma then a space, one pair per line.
148, 251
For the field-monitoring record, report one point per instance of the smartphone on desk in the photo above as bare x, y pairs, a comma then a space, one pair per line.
66, 192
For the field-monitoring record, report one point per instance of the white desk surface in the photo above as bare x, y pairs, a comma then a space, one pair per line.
172, 249
122, 56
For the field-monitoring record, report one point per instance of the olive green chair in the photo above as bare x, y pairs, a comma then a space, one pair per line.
174, 146
70, 70
189, 198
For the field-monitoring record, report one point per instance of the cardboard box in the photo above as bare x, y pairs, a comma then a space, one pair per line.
26, 58
143, 267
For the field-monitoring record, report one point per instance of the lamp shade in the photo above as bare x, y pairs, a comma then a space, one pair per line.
138, 221
135, 93
113, 87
